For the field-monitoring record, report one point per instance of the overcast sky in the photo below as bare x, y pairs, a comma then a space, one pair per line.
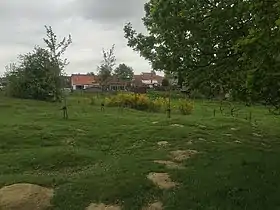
93, 24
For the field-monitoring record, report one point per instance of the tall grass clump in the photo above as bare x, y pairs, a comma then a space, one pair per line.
185, 107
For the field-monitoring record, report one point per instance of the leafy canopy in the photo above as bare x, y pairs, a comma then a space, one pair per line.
124, 72
105, 70
216, 45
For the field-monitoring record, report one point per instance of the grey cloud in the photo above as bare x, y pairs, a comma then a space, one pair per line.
32, 9
94, 24
23, 21
110, 10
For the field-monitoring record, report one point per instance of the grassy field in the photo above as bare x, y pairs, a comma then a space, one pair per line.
106, 156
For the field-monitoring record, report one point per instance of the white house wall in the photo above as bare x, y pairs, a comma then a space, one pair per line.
149, 82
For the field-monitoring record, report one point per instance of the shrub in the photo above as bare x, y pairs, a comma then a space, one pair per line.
185, 107
158, 104
165, 82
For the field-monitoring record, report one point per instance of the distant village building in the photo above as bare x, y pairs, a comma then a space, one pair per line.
83, 81
92, 82
149, 79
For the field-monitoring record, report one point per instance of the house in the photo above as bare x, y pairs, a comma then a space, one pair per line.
116, 84
91, 83
83, 81
149, 79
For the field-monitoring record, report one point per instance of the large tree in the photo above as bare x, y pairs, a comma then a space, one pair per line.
124, 72
208, 43
261, 53
189, 38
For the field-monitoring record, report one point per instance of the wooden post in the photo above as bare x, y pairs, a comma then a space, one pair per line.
169, 101
169, 104
64, 108
250, 116
102, 106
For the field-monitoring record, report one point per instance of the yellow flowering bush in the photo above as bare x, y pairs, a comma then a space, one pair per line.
158, 103
185, 107
145, 103
136, 101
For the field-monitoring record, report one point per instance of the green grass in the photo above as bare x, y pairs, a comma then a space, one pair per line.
105, 157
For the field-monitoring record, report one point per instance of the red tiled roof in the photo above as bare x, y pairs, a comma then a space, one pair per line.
82, 79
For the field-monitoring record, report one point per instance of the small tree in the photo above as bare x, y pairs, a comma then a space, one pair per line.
33, 78
57, 49
165, 82
124, 72
105, 70
38, 75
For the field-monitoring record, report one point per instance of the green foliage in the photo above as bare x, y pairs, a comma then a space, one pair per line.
185, 107
165, 82
215, 46
34, 77
124, 72
260, 53
39, 74
105, 70
196, 41
57, 49
91, 73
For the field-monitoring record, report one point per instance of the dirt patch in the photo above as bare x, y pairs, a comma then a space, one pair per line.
169, 164
189, 142
181, 155
80, 130
177, 125
154, 206
25, 197
257, 135
102, 206
162, 143
162, 180
202, 126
